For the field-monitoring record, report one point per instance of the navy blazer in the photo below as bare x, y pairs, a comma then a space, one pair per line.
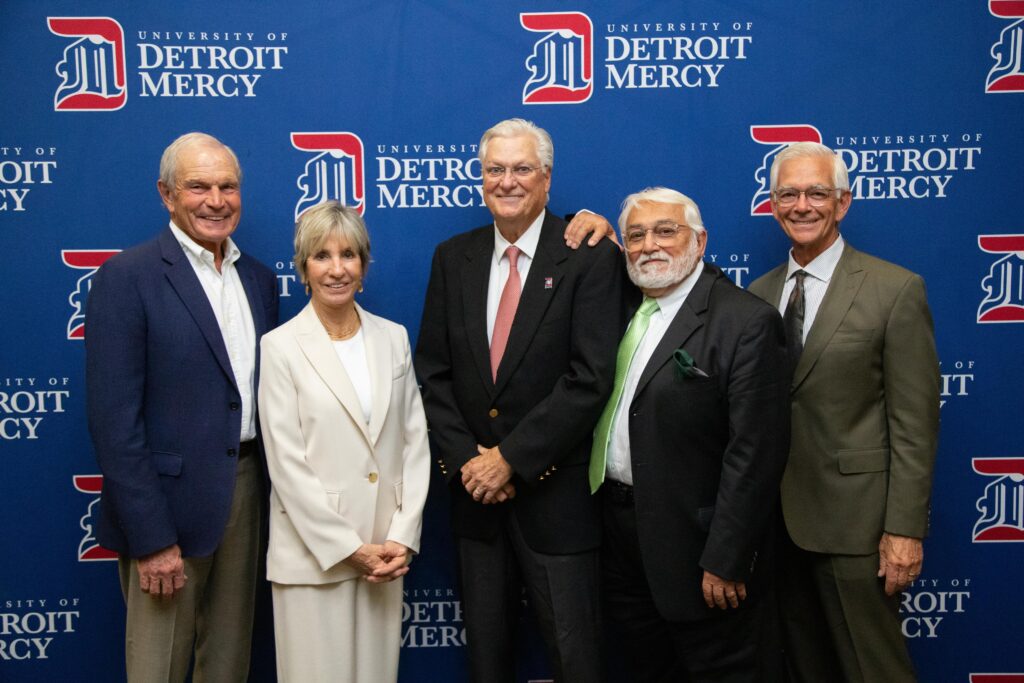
164, 411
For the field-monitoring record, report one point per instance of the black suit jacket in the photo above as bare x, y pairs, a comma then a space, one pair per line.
708, 452
552, 383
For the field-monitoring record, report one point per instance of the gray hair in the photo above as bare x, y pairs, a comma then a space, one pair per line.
169, 160
323, 221
510, 128
663, 195
840, 176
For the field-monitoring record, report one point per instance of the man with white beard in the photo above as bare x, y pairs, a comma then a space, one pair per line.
688, 455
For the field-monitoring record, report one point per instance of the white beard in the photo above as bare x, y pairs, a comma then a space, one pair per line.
677, 270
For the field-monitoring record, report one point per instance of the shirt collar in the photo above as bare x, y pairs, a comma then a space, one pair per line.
823, 265
231, 250
527, 242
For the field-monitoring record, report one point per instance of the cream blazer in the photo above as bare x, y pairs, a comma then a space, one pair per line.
336, 482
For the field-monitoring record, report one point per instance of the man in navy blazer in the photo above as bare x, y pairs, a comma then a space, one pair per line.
173, 327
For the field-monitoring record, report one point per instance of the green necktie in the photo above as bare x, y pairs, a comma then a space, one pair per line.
627, 347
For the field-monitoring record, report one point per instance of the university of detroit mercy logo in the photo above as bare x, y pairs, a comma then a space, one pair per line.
778, 137
1004, 284
88, 260
93, 67
1008, 73
334, 172
1002, 504
89, 549
562, 64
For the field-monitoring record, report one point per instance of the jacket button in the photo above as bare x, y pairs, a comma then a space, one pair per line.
234, 406
493, 412
232, 453
373, 477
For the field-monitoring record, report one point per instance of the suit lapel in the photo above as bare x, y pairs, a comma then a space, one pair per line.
378, 357
252, 294
776, 282
538, 291
474, 301
186, 284
688, 320
842, 289
319, 352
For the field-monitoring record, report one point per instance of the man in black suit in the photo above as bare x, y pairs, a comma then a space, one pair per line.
516, 355
688, 454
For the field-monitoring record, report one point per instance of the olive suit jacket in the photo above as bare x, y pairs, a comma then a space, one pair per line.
865, 409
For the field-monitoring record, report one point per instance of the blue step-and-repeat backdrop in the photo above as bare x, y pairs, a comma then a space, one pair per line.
381, 105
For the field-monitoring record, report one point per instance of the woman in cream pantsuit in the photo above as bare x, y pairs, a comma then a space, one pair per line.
346, 444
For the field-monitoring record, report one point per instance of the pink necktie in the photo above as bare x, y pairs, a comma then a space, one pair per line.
506, 311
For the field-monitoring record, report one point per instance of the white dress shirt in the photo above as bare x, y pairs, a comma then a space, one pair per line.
619, 466
819, 272
527, 244
231, 308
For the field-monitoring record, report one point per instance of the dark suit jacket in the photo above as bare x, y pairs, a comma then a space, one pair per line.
163, 408
708, 452
552, 383
865, 398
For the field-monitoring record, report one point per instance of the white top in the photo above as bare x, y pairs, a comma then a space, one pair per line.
352, 354
619, 465
231, 308
819, 272
527, 244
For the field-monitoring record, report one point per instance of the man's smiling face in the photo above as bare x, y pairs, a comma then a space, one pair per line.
515, 202
811, 229
206, 200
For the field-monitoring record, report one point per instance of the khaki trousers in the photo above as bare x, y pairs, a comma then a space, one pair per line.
212, 614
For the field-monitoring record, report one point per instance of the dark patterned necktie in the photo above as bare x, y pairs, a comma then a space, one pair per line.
793, 319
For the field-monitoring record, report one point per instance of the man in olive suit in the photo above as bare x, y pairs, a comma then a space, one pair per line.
865, 409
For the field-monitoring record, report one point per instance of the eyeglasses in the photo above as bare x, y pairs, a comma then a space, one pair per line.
496, 172
816, 196
665, 233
